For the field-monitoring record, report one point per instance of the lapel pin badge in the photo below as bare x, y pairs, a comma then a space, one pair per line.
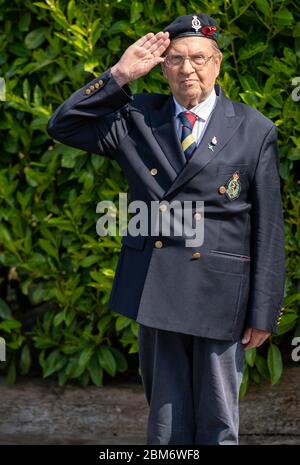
212, 143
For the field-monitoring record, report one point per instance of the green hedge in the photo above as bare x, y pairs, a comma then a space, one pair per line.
55, 272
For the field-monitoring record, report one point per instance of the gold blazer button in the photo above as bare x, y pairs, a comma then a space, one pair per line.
196, 255
158, 244
222, 189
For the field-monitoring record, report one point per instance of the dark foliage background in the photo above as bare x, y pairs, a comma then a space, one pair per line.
55, 273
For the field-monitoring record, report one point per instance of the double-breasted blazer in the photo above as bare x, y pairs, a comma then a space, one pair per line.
235, 279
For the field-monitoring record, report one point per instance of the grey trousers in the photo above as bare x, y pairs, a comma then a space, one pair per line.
191, 384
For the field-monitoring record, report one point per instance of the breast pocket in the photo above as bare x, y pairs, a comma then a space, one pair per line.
230, 169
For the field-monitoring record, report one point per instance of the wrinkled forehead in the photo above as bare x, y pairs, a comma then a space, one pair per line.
189, 45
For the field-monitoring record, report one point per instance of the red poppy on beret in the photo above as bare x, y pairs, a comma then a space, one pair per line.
208, 30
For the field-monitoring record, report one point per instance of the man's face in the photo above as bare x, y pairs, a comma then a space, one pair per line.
189, 84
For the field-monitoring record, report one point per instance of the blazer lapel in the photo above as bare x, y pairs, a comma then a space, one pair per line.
222, 125
163, 126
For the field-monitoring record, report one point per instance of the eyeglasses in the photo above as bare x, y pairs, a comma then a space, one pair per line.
198, 61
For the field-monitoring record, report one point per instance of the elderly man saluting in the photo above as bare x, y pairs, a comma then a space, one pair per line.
198, 307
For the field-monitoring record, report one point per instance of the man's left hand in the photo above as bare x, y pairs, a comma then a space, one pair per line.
254, 338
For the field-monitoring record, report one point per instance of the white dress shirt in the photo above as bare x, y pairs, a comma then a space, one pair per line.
203, 110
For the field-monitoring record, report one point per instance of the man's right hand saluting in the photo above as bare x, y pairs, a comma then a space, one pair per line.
140, 57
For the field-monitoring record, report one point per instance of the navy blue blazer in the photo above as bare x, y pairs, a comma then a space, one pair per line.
235, 279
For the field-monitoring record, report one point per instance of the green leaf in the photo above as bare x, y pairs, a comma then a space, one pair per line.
61, 224
135, 10
294, 154
87, 179
11, 375
264, 7
26, 90
85, 356
134, 326
114, 44
9, 325
95, 371
250, 50
4, 233
274, 363
122, 322
122, 364
77, 294
269, 85
70, 156
71, 10
35, 38
57, 77
255, 376
104, 323
244, 383
59, 318
25, 359
249, 83
48, 247
97, 161
106, 360
275, 100
24, 21
284, 17
235, 6
2, 89
90, 260
62, 378
37, 96
250, 356
5, 311
10, 144
53, 363
249, 99
42, 5
296, 30
262, 366
84, 378
121, 26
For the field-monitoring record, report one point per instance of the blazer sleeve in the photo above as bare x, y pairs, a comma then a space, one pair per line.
267, 240
95, 118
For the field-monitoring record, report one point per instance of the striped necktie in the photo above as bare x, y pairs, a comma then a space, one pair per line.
188, 141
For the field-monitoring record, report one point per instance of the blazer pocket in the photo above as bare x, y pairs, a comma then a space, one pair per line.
136, 242
230, 169
230, 255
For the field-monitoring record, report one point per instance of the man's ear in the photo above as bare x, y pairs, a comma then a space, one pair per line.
220, 58
163, 69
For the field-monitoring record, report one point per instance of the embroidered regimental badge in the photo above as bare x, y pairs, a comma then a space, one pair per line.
233, 186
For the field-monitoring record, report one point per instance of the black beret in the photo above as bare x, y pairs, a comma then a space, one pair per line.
199, 25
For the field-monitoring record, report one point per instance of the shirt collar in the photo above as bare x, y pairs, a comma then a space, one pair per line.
202, 110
